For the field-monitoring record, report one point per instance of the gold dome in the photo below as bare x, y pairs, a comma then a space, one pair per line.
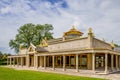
73, 31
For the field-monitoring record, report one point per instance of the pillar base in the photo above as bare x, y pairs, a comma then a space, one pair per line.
53, 69
64, 69
77, 70
106, 72
118, 69
36, 67
94, 71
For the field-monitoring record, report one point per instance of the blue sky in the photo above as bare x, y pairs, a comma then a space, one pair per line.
102, 15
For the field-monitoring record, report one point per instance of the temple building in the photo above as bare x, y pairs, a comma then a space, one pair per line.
73, 51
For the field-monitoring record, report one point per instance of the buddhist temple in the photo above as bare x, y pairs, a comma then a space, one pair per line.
73, 51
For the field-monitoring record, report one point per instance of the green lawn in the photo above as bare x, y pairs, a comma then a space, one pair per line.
11, 74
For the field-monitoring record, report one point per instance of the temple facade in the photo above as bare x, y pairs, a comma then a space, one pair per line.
73, 51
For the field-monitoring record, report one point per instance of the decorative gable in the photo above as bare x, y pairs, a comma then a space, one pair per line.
44, 43
31, 48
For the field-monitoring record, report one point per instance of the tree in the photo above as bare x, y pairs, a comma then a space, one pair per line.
31, 33
116, 45
4, 56
42, 31
1, 55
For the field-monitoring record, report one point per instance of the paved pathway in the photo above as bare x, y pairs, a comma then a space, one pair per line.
114, 76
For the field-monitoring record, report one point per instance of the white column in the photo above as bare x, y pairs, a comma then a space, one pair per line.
117, 62
64, 69
27, 61
14, 61
45, 62
93, 62
112, 62
22, 61
53, 60
10, 61
17, 61
77, 70
36, 61
60, 61
106, 62
7, 61
41, 61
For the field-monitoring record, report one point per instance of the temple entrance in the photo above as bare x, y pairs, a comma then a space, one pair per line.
100, 61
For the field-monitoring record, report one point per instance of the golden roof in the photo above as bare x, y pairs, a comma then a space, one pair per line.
73, 30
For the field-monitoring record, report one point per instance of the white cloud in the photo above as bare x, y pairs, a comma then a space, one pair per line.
102, 15
5, 10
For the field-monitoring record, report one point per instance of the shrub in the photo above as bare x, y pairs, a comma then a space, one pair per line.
3, 62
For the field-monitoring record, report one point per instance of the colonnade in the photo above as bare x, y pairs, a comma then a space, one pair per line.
40, 60
16, 61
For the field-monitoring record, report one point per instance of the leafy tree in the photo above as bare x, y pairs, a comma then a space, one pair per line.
4, 56
1, 55
42, 31
116, 45
31, 33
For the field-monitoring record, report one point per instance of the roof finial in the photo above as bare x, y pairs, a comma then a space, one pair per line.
44, 43
112, 44
73, 27
45, 38
90, 32
103, 39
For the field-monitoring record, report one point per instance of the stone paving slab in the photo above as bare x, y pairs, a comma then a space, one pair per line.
114, 76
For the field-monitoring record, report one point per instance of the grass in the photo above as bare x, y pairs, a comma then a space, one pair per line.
11, 74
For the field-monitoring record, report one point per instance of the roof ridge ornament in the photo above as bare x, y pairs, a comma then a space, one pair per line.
44, 42
73, 27
103, 39
112, 44
90, 32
